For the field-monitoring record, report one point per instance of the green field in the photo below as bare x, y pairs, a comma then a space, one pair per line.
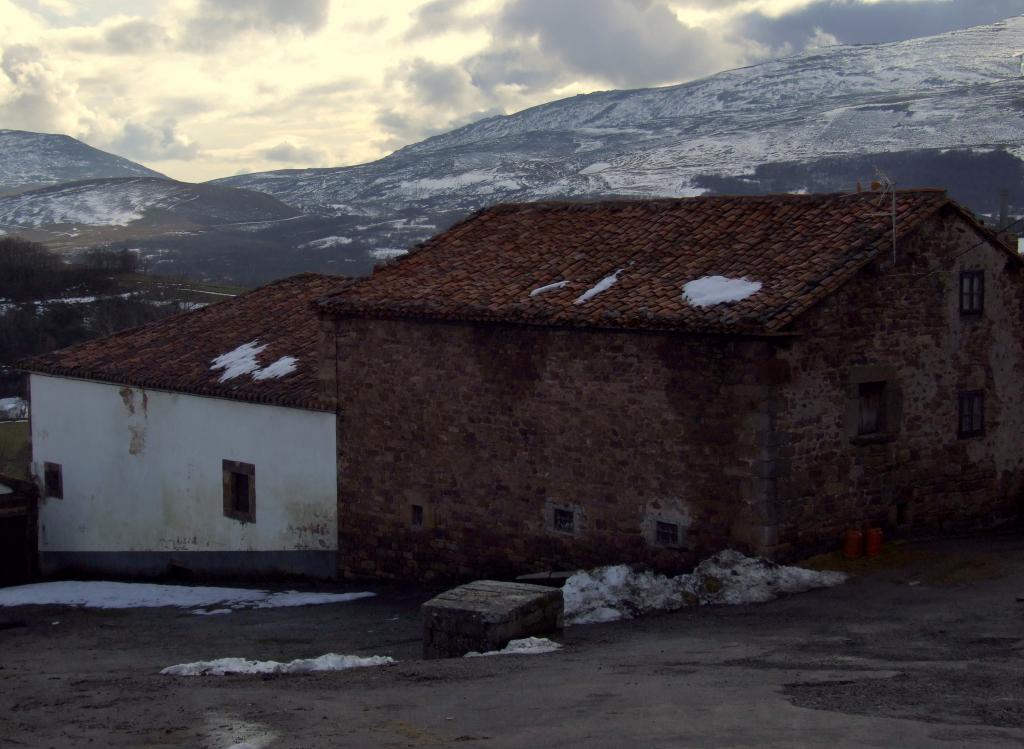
15, 449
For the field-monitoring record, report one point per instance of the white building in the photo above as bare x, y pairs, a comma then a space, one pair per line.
198, 441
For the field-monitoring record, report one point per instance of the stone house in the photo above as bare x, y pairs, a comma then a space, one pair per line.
552, 385
197, 441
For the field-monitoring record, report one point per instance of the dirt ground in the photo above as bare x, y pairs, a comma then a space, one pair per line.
922, 648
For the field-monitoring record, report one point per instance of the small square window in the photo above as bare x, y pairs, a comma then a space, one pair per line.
53, 480
871, 397
971, 418
972, 292
564, 521
417, 516
666, 534
239, 491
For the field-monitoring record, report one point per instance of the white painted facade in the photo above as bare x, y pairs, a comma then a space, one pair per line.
142, 471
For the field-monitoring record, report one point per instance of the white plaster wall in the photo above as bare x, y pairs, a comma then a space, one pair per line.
142, 470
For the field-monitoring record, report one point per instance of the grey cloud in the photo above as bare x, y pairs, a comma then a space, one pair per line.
291, 154
159, 142
440, 16
216, 21
400, 129
41, 99
626, 42
438, 84
135, 37
854, 22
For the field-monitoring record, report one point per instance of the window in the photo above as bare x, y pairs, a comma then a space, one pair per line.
53, 480
417, 516
871, 398
971, 413
240, 491
972, 292
666, 534
564, 521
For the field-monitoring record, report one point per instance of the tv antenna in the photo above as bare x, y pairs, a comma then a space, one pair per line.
887, 188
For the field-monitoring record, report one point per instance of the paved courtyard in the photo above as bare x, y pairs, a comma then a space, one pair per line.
922, 648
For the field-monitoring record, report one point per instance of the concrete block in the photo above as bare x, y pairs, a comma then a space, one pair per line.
485, 615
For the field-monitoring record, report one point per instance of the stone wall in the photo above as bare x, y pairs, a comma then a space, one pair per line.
902, 325
464, 448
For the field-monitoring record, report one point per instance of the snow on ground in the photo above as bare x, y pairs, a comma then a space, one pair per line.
284, 365
224, 666
326, 242
13, 409
710, 290
239, 361
611, 593
525, 646
110, 595
600, 166
549, 287
603, 285
387, 253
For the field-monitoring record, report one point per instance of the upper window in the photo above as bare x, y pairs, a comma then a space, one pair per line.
871, 397
971, 409
666, 534
53, 480
240, 491
972, 292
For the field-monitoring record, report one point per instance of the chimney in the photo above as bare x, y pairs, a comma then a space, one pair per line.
1004, 209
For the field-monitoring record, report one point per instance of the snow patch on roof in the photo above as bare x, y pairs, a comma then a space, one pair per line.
711, 290
603, 285
549, 287
239, 361
329, 662
284, 365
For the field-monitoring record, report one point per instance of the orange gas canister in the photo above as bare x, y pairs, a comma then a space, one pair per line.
873, 547
853, 545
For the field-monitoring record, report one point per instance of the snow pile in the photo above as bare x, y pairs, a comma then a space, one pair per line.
610, 593
108, 595
549, 287
603, 285
284, 365
525, 646
13, 409
387, 253
224, 666
239, 361
711, 290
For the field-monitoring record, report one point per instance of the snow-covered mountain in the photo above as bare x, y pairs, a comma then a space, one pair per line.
31, 160
942, 111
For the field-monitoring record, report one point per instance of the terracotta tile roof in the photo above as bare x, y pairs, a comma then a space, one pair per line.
177, 353
798, 247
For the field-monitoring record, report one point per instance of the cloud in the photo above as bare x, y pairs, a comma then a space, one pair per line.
439, 17
623, 42
135, 37
159, 143
217, 21
41, 98
857, 22
288, 153
439, 85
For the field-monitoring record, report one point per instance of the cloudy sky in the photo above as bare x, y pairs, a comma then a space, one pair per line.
200, 89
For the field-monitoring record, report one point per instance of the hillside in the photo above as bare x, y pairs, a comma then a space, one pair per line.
31, 160
938, 111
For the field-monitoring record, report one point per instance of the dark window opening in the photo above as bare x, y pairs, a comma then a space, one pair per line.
972, 292
53, 480
971, 413
666, 534
240, 491
564, 521
901, 513
871, 396
417, 516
